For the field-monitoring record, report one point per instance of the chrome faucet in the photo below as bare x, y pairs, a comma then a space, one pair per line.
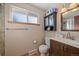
69, 36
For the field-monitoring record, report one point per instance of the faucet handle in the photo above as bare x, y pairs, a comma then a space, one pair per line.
72, 38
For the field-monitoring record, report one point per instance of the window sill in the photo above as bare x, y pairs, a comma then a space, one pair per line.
23, 23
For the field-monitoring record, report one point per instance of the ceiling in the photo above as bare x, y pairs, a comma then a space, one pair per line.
45, 6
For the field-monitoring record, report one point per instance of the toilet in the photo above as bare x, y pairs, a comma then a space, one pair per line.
43, 49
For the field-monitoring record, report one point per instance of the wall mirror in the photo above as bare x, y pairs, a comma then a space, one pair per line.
70, 20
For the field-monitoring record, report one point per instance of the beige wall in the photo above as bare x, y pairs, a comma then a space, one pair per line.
52, 33
19, 42
2, 32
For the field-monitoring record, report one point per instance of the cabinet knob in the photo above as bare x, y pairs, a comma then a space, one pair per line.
65, 48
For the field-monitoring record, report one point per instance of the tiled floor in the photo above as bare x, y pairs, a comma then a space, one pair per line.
35, 54
32, 54
38, 54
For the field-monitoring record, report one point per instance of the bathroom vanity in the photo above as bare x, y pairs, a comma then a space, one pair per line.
63, 47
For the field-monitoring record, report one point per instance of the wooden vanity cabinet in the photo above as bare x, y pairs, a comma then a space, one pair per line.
61, 49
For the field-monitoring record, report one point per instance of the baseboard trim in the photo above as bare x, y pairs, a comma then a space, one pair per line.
26, 54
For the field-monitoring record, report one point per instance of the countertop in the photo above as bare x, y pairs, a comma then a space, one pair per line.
67, 41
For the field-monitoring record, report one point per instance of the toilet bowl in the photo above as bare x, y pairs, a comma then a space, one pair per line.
43, 49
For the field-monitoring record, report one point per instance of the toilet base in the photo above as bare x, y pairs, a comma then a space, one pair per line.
44, 54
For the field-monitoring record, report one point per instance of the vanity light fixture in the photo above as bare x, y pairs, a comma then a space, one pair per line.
64, 9
73, 5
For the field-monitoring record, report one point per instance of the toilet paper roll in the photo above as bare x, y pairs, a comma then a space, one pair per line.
34, 41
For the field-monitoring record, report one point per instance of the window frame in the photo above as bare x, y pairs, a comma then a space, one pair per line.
19, 9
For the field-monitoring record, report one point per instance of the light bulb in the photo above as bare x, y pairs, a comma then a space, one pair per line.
64, 9
73, 5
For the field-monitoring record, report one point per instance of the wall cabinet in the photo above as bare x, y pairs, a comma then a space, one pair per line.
61, 49
50, 22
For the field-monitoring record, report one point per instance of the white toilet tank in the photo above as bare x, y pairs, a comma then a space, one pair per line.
47, 42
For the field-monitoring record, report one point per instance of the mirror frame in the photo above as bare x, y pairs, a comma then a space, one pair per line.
62, 20
62, 25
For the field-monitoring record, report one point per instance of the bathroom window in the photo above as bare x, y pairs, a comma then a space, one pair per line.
23, 16
32, 18
19, 17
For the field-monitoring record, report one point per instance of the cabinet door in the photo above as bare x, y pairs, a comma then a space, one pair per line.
56, 48
59, 49
63, 49
52, 48
74, 51
46, 23
66, 51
